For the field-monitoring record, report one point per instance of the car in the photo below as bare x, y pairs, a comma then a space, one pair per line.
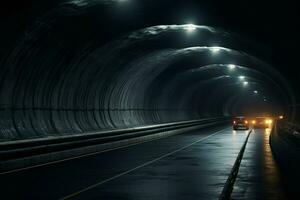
240, 123
262, 122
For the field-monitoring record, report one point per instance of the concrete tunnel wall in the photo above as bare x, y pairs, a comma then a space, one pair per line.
57, 80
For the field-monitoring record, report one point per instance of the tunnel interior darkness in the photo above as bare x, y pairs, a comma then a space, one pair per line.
60, 79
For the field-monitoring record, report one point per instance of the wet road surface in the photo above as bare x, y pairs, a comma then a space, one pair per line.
194, 165
259, 176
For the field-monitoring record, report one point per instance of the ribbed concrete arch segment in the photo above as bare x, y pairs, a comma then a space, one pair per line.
54, 86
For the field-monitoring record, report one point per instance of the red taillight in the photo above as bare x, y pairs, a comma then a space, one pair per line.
234, 122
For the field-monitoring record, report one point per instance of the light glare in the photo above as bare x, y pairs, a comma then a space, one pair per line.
231, 66
241, 77
215, 49
268, 121
190, 27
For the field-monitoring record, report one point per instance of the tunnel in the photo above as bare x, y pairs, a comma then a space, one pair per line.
157, 74
61, 76
149, 99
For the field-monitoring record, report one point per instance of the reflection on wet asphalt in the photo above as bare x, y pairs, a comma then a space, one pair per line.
258, 176
198, 172
194, 165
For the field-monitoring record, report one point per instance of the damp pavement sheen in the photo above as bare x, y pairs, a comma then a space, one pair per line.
198, 172
258, 176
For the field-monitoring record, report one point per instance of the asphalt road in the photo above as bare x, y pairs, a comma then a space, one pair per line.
194, 165
259, 176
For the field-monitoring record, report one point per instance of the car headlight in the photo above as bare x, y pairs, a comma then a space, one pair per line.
268, 121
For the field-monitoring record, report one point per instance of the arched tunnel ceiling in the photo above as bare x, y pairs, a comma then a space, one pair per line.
60, 79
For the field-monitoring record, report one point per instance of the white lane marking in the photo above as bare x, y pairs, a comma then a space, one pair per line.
138, 167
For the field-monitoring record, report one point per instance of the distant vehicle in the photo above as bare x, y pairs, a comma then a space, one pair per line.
240, 123
262, 122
